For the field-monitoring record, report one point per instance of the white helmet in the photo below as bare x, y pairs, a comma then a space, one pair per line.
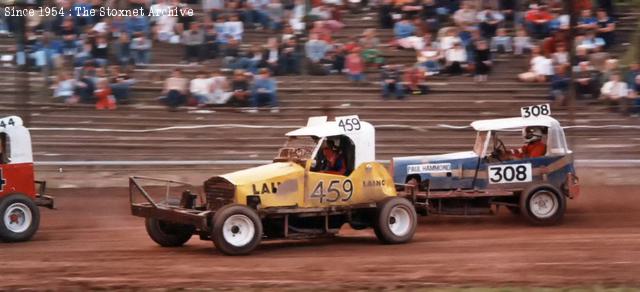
532, 134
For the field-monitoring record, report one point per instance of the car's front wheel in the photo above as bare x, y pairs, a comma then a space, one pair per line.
542, 205
396, 221
168, 234
20, 218
237, 230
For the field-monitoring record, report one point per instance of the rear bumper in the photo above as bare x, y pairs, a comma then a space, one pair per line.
41, 199
573, 186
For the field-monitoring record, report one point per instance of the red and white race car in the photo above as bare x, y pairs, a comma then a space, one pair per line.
19, 196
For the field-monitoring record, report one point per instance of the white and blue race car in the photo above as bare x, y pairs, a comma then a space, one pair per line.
473, 182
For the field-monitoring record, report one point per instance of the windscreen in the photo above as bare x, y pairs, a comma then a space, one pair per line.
298, 148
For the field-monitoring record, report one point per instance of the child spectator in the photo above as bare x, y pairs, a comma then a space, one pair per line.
264, 92
522, 42
391, 82
175, 90
355, 65
502, 42
105, 99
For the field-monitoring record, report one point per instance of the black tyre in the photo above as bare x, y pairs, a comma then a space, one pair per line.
396, 221
168, 234
514, 210
237, 229
20, 218
542, 205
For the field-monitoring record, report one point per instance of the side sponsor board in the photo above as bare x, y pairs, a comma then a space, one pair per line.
428, 168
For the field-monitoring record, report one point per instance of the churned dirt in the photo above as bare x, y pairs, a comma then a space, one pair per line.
92, 242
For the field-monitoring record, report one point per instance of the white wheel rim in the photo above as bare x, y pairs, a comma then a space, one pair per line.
17, 218
238, 230
543, 204
399, 221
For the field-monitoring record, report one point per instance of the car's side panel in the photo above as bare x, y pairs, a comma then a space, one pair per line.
17, 178
552, 170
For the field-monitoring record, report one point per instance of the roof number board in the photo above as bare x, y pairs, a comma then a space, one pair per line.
535, 111
349, 123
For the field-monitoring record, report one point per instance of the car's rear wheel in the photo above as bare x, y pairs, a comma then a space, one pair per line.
396, 221
168, 234
542, 205
20, 218
237, 230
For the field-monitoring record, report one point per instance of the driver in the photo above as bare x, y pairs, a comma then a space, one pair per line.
334, 157
534, 146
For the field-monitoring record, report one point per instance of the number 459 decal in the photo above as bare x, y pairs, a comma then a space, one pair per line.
510, 173
335, 191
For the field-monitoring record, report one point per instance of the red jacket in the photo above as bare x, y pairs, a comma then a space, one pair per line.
531, 150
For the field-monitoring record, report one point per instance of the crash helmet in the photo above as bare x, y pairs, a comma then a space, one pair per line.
532, 134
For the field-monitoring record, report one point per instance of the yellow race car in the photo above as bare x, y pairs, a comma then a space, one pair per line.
324, 176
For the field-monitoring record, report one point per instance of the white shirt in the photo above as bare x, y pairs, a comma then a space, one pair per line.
200, 86
234, 29
615, 89
456, 55
542, 65
448, 41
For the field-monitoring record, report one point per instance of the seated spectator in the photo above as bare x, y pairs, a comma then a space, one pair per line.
634, 90
430, 14
502, 42
200, 89
403, 29
231, 53
385, 14
537, 21
316, 51
100, 51
586, 22
631, 74
414, 78
483, 61
275, 12
540, 68
522, 42
141, 50
105, 99
466, 17
255, 14
450, 37
429, 58
561, 56
264, 92
64, 88
290, 57
490, 19
298, 13
611, 67
47, 52
559, 22
336, 58
327, 16
590, 41
586, 81
369, 43
392, 82
69, 37
323, 32
615, 94
240, 93
175, 90
560, 82
234, 28
165, 28
85, 85
455, 60
123, 49
355, 66
598, 58
606, 27
219, 88
121, 83
193, 39
271, 56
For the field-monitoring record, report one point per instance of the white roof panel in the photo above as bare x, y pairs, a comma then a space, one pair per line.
514, 123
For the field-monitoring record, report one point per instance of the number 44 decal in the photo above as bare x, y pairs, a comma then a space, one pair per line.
335, 191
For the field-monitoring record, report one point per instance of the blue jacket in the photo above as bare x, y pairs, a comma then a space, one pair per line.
265, 83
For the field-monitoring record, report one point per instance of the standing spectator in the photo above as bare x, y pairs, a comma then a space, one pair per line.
455, 60
502, 42
105, 99
482, 61
264, 92
316, 50
140, 49
239, 90
200, 89
175, 90
193, 39
522, 42
606, 27
615, 94
355, 65
391, 82
586, 81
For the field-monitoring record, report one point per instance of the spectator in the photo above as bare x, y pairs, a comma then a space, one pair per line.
211, 44
290, 56
64, 88
466, 17
522, 42
193, 39
403, 29
275, 12
615, 94
591, 42
634, 89
598, 58
369, 43
231, 53
264, 92
429, 58
355, 66
415, 78
141, 49
606, 27
240, 90
391, 82
450, 37
455, 60
586, 21
100, 51
271, 56
502, 42
234, 28
560, 84
165, 28
316, 51
105, 99
586, 81
490, 19
537, 21
296, 19
213, 7
86, 85
540, 68
255, 13
482, 61
121, 83
219, 88
200, 89
561, 56
631, 74
175, 90
123, 49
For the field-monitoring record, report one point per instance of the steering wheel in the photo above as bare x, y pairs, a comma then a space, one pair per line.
498, 149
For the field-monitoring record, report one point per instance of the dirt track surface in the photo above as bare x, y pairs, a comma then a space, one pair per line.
92, 241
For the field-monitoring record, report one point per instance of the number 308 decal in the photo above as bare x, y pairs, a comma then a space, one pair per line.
335, 190
510, 173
